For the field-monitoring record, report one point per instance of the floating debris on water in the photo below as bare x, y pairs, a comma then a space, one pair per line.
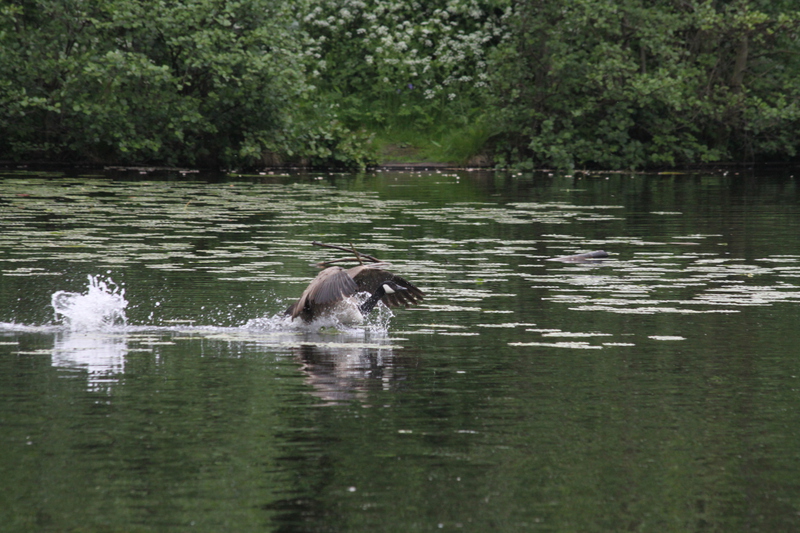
573, 345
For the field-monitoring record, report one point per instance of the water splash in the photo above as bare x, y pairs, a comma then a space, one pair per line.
350, 321
101, 307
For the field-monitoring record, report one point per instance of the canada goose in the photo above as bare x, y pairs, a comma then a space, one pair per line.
335, 285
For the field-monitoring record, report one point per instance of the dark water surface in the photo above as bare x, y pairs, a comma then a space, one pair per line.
657, 390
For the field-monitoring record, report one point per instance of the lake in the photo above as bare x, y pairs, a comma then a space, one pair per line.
150, 382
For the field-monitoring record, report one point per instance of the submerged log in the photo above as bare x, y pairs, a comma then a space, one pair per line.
588, 257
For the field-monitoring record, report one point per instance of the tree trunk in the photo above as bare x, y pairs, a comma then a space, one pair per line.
741, 65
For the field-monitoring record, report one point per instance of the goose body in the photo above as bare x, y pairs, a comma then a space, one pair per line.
332, 290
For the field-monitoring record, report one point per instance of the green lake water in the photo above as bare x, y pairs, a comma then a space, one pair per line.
656, 390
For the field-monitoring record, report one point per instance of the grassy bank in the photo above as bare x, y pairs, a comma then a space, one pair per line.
465, 144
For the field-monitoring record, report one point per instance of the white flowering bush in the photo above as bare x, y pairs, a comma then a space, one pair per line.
390, 60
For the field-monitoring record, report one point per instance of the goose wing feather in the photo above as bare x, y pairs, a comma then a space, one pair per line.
411, 296
369, 278
331, 285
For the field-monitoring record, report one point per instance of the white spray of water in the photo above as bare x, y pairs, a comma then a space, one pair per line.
345, 320
100, 308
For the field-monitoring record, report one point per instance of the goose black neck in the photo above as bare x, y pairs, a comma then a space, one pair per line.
372, 301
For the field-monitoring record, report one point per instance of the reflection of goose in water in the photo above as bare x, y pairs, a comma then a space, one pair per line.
331, 292
345, 372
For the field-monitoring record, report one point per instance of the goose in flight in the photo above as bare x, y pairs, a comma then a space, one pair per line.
333, 288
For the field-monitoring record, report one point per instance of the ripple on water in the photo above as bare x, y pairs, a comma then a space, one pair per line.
158, 225
644, 286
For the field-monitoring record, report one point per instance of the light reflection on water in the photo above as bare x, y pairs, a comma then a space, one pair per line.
653, 388
100, 355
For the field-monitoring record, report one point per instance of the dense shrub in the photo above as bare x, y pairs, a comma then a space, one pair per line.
610, 83
631, 83
201, 81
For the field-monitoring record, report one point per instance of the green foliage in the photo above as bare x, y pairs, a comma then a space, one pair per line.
404, 66
611, 83
195, 81
456, 141
630, 83
328, 142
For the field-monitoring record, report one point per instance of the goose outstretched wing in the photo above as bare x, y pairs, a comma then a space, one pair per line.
331, 285
368, 278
